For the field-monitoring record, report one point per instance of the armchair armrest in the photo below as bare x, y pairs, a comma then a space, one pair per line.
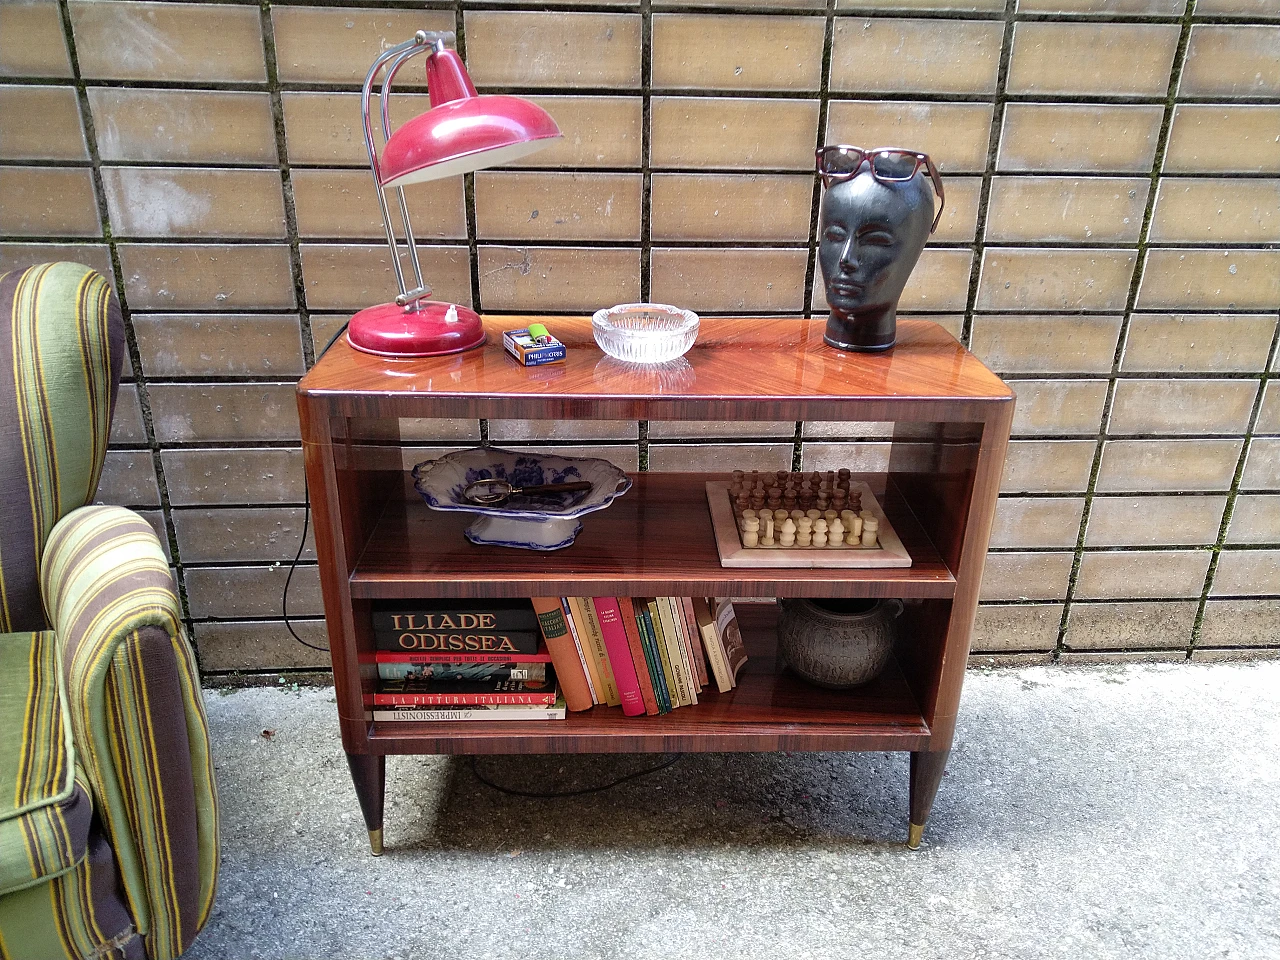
137, 718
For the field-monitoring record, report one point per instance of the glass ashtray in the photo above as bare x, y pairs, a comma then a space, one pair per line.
645, 332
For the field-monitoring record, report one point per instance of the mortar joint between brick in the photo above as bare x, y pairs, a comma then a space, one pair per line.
1000, 98
1223, 528
468, 183
646, 163
286, 182
131, 341
815, 209
1131, 300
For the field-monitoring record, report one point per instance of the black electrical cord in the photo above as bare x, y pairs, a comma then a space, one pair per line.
306, 523
475, 768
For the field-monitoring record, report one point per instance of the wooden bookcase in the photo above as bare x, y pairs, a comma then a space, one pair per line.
375, 539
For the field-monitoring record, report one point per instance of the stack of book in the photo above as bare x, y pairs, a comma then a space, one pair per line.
462, 660
648, 655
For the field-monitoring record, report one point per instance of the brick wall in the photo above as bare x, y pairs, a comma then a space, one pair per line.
1109, 245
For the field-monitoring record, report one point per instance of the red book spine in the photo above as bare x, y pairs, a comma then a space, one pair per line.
638, 660
615, 642
386, 656
459, 699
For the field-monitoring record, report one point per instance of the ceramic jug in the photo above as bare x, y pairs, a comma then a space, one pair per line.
837, 643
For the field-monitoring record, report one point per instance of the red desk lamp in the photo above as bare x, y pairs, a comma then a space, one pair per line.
462, 132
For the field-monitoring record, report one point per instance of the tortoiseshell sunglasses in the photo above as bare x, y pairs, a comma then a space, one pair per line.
840, 162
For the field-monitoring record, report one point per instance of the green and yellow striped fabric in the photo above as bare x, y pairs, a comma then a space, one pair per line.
79, 914
44, 812
61, 353
137, 718
108, 816
59, 888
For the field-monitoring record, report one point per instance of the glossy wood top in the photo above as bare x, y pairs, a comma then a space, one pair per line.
757, 368
770, 709
654, 540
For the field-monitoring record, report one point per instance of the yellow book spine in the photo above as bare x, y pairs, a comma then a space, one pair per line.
584, 647
672, 641
584, 611
682, 646
664, 654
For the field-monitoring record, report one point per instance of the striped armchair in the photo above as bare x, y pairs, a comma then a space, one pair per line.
108, 815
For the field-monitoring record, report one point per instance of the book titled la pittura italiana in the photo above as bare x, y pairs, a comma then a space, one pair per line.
417, 692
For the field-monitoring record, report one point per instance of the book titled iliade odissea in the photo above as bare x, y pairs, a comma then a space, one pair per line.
492, 627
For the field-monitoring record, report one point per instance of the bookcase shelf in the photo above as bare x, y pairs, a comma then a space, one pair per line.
655, 540
769, 710
375, 539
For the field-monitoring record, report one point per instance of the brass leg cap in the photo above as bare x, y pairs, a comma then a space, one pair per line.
914, 835
375, 841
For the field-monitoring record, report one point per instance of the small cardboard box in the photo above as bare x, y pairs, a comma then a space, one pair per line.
531, 351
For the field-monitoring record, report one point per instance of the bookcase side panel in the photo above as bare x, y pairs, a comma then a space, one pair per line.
956, 504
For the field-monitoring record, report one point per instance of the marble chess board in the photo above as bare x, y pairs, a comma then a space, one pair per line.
783, 519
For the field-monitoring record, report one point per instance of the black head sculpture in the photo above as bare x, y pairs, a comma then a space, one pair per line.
873, 228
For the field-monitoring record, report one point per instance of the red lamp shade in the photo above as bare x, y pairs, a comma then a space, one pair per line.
462, 132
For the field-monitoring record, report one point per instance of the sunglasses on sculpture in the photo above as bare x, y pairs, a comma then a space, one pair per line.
842, 162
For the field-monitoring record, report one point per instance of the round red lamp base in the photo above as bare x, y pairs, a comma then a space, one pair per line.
430, 330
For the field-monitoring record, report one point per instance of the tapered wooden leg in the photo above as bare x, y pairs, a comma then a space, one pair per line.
926, 774
369, 773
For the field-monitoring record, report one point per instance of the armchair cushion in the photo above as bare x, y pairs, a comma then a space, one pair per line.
59, 885
44, 802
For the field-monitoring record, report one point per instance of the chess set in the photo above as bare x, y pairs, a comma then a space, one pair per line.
811, 519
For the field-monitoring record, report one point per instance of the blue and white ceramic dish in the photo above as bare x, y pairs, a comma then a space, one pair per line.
527, 522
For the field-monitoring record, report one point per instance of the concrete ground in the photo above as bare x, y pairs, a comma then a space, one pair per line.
1125, 811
